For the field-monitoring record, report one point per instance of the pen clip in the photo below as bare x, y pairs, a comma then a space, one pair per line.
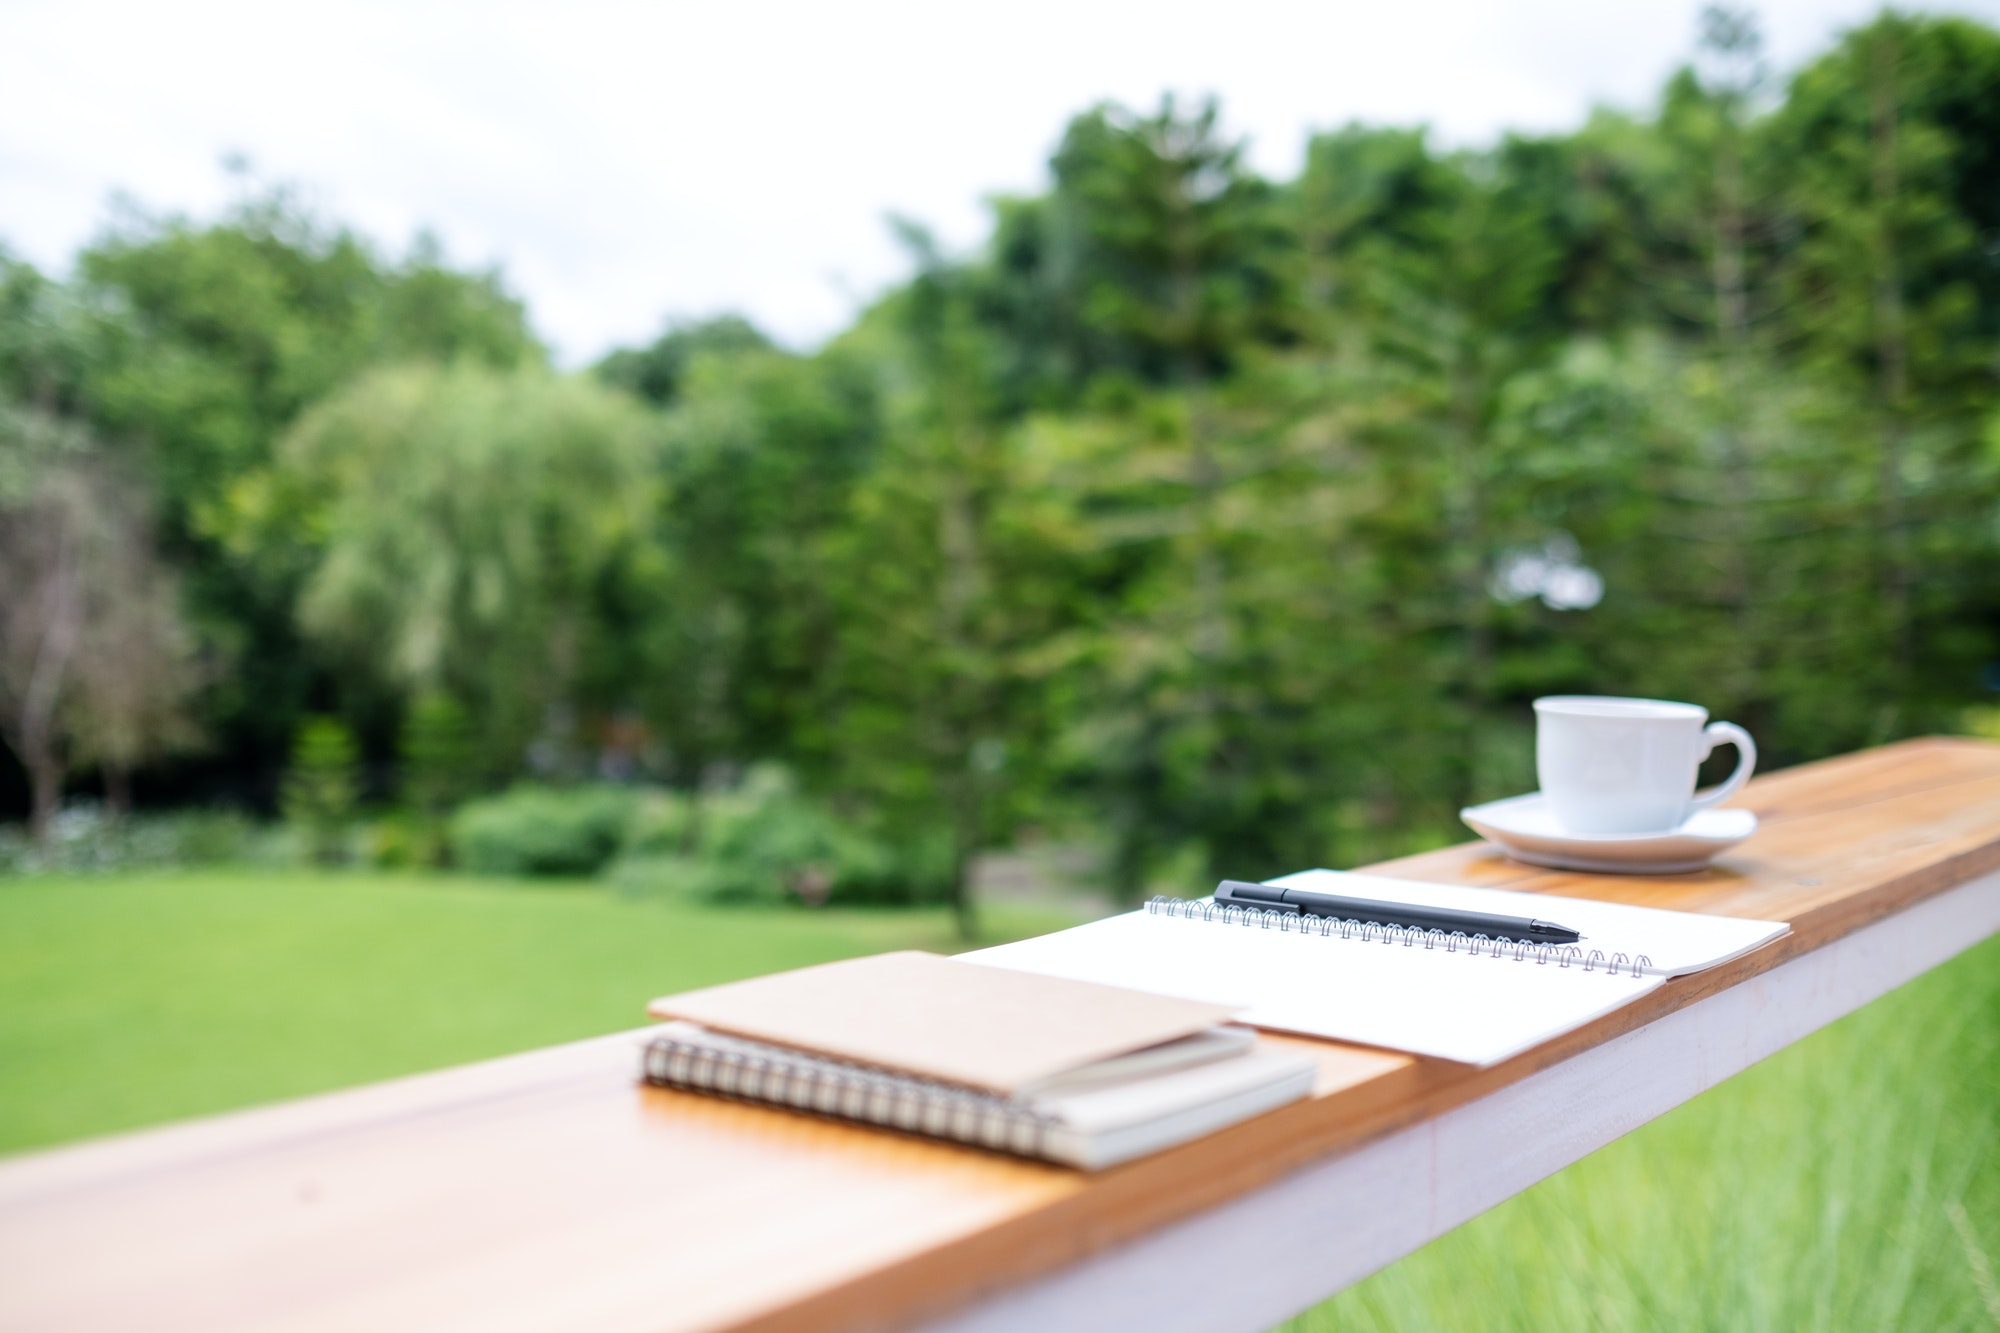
1238, 893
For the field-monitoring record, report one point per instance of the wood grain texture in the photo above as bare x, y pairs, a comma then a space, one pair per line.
547, 1191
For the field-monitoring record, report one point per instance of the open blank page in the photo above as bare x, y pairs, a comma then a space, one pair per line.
1473, 1008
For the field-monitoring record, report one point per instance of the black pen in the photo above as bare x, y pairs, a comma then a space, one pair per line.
1273, 899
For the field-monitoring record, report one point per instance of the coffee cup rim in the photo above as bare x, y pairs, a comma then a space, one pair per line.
1619, 706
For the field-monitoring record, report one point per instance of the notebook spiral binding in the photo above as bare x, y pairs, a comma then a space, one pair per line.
1456, 941
851, 1092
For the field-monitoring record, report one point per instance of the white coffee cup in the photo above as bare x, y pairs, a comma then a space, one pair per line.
1628, 765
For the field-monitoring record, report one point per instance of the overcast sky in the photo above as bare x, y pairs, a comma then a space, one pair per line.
625, 164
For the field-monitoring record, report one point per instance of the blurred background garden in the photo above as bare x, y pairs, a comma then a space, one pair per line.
379, 691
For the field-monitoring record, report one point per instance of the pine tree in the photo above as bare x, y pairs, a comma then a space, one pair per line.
322, 787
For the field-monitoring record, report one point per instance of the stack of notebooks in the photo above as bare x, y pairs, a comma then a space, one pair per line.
1102, 1043
1070, 1071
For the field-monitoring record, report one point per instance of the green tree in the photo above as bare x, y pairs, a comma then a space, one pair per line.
735, 622
945, 592
658, 371
1436, 280
321, 788
460, 526
1174, 244
1891, 137
1239, 518
439, 755
1178, 256
190, 347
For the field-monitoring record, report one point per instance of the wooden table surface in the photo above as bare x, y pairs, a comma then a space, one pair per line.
548, 1191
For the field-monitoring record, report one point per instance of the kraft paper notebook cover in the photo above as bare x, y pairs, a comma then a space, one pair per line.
1407, 990
1070, 1071
930, 1016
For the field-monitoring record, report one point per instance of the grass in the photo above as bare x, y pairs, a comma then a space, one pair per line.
1849, 1183
128, 1000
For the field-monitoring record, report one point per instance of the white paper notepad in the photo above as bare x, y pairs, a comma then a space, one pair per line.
1478, 1006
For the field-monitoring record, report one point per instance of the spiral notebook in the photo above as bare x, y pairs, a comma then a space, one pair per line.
1474, 1001
1110, 1114
1070, 1071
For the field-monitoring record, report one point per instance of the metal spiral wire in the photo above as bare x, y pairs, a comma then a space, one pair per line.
852, 1092
1410, 937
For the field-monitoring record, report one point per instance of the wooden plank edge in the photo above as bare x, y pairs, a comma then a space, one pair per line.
1203, 1274
1122, 1204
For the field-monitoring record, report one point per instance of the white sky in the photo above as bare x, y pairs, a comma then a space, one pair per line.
625, 163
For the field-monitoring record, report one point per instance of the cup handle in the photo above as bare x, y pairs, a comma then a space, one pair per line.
1727, 733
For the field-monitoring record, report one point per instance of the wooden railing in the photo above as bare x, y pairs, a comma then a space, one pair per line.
549, 1191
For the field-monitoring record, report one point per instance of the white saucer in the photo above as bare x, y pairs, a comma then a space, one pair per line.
1527, 828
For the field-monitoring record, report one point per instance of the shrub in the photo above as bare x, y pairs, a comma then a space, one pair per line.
663, 824
765, 841
536, 830
84, 838
399, 840
207, 837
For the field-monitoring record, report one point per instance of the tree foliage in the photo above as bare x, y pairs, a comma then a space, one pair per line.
97, 665
1234, 521
460, 526
189, 349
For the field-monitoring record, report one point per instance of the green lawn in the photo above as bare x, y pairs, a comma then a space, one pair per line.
1852, 1182
127, 1000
